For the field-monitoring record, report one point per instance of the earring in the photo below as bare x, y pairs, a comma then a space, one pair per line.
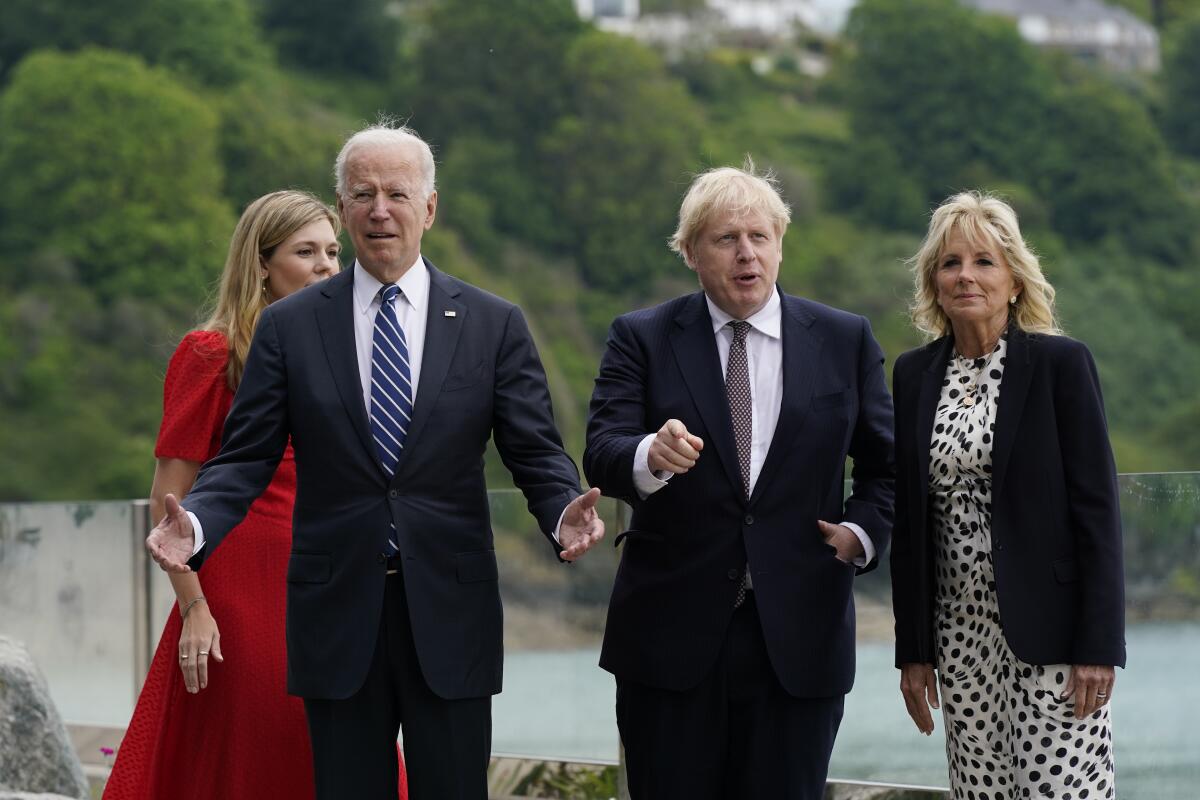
1012, 301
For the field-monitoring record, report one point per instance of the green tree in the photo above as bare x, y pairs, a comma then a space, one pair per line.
211, 41
113, 165
272, 136
955, 93
623, 155
356, 37
1106, 173
494, 68
1181, 85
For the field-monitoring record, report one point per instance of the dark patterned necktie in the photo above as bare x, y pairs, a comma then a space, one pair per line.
741, 412
737, 389
391, 390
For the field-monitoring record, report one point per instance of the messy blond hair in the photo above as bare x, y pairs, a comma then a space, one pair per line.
241, 297
728, 189
981, 218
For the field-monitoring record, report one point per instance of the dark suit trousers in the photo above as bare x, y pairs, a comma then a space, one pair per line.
447, 743
736, 736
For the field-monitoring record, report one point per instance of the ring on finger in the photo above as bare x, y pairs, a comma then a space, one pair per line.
1101, 694
183, 657
205, 652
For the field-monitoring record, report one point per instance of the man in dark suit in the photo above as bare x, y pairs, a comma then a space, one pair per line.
389, 379
731, 625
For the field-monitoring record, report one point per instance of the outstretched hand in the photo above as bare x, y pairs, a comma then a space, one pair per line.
581, 526
172, 541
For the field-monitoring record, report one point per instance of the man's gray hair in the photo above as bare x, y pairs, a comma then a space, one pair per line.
386, 132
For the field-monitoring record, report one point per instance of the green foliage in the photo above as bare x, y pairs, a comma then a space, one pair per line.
211, 41
563, 153
623, 156
1181, 83
357, 37
954, 93
494, 68
1106, 173
272, 137
119, 175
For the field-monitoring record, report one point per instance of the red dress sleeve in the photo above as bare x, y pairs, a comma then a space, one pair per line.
196, 398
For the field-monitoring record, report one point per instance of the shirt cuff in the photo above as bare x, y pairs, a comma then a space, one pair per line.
198, 530
558, 527
868, 546
645, 481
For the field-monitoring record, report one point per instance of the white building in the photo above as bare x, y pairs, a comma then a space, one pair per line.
1089, 29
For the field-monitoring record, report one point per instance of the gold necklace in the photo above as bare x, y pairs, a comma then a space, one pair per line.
968, 398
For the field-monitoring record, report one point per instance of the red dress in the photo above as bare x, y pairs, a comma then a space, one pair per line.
243, 737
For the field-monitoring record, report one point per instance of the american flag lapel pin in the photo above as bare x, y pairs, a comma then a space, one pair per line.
450, 313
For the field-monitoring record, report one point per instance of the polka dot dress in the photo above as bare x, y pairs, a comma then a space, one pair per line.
1008, 735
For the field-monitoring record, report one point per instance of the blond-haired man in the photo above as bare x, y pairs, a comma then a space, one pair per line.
725, 418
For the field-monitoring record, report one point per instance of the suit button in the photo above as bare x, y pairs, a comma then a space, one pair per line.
392, 493
749, 519
732, 574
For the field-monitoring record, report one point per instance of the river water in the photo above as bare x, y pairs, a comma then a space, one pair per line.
560, 703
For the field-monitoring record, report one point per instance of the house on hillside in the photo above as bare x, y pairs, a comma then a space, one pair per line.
612, 15
1089, 29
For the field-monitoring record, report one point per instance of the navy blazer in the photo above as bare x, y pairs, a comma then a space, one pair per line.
480, 378
1056, 526
689, 542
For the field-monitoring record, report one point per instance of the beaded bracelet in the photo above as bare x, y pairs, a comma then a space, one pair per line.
188, 606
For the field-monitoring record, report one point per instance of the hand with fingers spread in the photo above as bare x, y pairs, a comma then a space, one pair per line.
581, 526
841, 539
1092, 687
199, 641
918, 685
674, 450
172, 540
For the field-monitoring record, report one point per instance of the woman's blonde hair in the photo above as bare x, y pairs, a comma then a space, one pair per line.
980, 218
241, 295
728, 189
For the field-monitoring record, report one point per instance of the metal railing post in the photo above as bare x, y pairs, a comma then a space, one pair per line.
143, 641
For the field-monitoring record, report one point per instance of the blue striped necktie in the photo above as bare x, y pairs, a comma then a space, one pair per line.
391, 389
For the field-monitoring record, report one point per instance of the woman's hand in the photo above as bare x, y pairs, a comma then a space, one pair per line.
198, 641
918, 685
1092, 686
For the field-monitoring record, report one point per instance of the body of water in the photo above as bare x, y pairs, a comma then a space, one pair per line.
561, 703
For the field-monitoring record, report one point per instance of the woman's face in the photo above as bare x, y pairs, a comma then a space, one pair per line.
974, 282
307, 256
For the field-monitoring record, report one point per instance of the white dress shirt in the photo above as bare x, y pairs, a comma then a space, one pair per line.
412, 309
764, 361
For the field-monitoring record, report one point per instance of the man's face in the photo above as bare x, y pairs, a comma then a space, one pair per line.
384, 208
736, 256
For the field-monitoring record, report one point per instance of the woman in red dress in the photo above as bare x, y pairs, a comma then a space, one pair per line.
214, 719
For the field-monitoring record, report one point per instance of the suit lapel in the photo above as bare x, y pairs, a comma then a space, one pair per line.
441, 339
801, 355
335, 319
695, 349
931, 389
1014, 388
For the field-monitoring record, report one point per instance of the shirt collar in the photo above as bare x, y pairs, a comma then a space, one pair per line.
414, 284
767, 320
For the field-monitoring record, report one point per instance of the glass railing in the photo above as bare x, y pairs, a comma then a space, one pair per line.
76, 588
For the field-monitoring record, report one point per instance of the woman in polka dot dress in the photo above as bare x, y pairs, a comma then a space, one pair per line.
1006, 555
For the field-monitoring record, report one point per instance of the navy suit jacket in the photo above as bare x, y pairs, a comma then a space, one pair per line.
1056, 525
480, 378
689, 542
